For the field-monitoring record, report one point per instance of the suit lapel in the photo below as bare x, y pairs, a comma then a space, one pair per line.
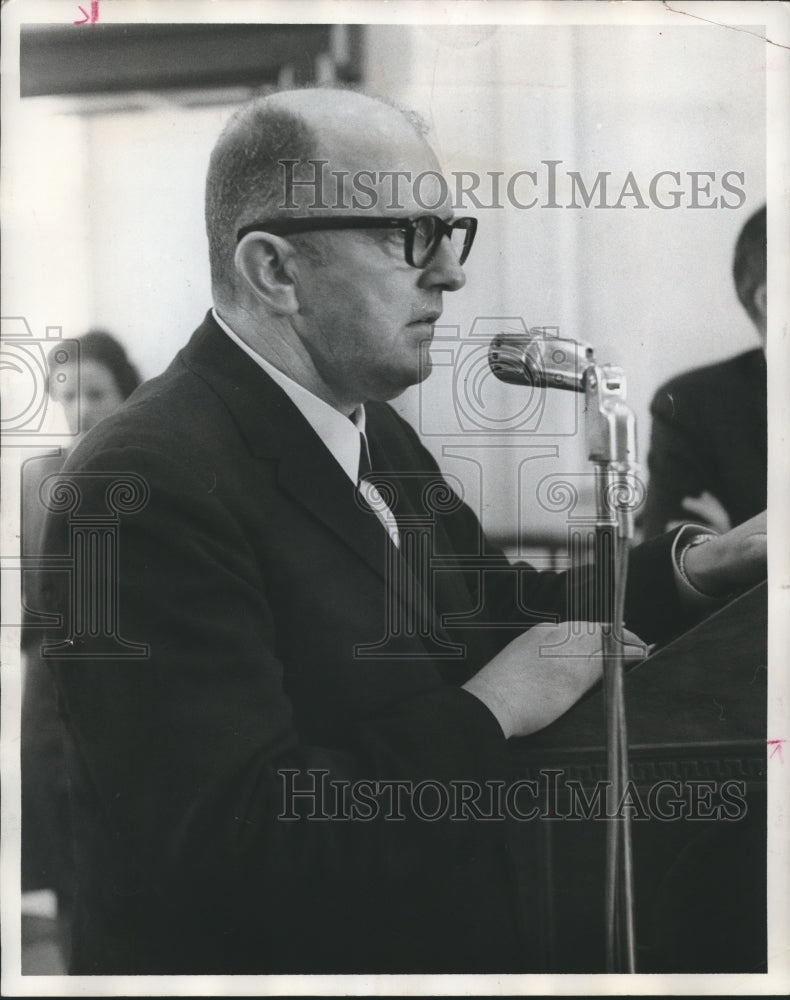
431, 593
273, 427
310, 474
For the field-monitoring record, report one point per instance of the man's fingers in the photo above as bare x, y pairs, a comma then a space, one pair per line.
635, 653
632, 646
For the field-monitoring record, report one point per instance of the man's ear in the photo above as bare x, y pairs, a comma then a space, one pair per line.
266, 262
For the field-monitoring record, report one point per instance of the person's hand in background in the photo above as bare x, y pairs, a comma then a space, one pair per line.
730, 562
705, 510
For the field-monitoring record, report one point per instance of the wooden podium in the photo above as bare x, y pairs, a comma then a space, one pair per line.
697, 737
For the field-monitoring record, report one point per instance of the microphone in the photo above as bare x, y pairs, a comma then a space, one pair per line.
536, 360
539, 361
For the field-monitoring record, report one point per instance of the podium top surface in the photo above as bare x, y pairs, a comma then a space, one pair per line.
707, 686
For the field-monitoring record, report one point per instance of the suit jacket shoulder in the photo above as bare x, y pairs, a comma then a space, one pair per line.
709, 434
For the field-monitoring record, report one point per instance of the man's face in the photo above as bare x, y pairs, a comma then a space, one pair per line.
366, 315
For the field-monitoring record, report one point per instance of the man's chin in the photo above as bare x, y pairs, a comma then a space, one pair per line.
425, 367
418, 374
410, 378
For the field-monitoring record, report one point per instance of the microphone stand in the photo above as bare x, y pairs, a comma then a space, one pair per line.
542, 362
611, 446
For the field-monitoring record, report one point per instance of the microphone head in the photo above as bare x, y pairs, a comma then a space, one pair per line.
537, 360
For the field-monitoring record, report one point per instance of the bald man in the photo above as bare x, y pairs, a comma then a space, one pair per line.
269, 755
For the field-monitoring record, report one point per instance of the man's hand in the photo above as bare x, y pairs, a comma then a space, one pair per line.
730, 562
527, 688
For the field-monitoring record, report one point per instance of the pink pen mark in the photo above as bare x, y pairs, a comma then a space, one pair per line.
776, 749
91, 18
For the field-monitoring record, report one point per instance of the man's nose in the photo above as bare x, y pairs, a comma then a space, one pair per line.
443, 268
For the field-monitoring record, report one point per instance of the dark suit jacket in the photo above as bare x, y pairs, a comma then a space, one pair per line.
709, 433
256, 580
46, 831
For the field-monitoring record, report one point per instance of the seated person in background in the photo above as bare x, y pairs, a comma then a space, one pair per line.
89, 386
708, 449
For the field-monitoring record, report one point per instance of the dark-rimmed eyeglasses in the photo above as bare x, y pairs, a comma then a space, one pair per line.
423, 233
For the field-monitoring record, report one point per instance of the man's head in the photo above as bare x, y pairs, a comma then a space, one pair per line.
749, 270
341, 311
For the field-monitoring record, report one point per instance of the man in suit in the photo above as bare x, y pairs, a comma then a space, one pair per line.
708, 455
282, 672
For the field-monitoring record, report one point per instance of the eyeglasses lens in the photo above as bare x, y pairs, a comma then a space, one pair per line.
459, 239
427, 234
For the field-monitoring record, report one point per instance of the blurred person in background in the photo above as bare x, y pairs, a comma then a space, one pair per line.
90, 384
98, 381
708, 456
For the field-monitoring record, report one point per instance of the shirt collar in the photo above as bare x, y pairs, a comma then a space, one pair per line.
340, 434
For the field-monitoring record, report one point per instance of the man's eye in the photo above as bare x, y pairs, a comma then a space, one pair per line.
393, 239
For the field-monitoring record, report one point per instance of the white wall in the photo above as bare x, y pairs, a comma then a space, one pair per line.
104, 220
146, 178
48, 267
